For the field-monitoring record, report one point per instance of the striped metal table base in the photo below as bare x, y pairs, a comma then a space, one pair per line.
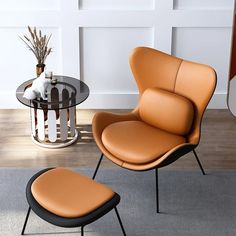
54, 128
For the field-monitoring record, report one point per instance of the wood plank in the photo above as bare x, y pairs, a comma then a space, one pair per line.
217, 149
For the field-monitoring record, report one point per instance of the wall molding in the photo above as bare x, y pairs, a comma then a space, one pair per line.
68, 18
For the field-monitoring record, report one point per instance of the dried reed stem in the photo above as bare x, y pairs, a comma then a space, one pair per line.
38, 44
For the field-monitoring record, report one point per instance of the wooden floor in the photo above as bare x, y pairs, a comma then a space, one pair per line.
217, 149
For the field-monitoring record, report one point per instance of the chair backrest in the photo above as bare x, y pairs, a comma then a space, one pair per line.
196, 82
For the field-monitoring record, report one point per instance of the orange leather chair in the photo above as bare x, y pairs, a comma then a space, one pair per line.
166, 123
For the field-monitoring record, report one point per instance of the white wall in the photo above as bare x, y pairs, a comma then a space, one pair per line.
91, 40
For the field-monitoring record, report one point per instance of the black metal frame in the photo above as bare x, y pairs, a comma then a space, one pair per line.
82, 227
68, 222
82, 230
119, 219
99, 163
157, 190
198, 161
173, 157
26, 220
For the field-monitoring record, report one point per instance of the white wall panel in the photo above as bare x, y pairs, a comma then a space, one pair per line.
105, 52
203, 4
116, 4
207, 46
27, 5
18, 63
109, 29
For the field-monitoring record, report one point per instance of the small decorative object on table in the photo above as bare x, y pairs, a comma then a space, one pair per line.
38, 88
54, 80
49, 75
38, 44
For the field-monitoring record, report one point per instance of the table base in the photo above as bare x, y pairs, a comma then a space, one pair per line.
58, 144
54, 128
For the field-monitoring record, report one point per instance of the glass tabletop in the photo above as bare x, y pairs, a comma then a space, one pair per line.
67, 92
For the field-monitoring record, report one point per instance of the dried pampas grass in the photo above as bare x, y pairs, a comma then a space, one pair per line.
38, 44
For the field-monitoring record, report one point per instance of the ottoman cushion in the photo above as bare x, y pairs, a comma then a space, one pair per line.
69, 194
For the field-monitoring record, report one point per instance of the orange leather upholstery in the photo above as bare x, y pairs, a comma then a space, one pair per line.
197, 82
136, 142
192, 85
69, 194
152, 68
165, 110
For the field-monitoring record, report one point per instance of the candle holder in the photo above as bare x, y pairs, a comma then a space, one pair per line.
53, 80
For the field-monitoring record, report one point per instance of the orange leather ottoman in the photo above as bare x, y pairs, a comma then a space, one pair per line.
65, 198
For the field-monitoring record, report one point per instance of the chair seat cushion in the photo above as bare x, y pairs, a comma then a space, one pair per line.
69, 194
137, 142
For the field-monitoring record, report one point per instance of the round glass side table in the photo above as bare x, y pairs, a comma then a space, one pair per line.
53, 121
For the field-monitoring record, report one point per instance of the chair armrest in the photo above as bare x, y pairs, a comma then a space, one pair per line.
102, 119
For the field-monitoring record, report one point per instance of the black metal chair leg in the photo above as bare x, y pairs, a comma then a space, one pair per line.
95, 173
199, 163
121, 225
82, 230
157, 190
26, 220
